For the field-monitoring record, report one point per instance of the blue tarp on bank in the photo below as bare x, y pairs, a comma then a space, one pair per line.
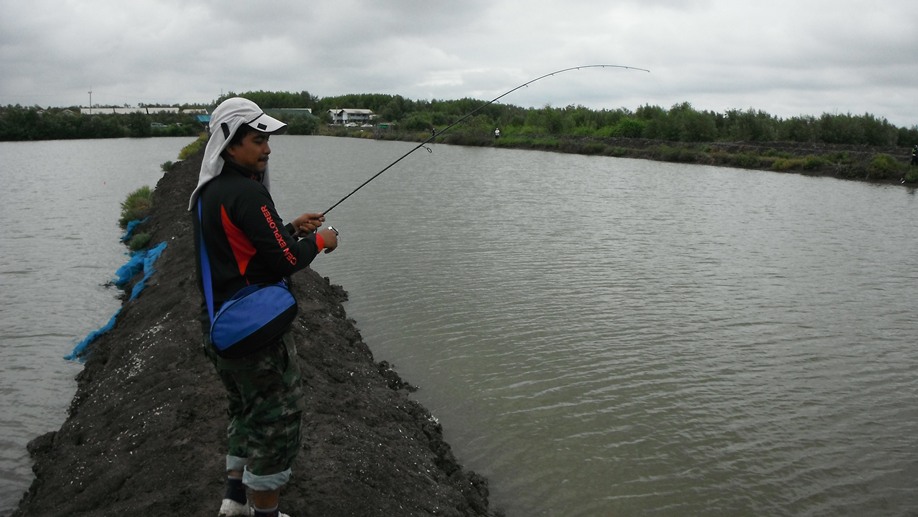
139, 261
129, 231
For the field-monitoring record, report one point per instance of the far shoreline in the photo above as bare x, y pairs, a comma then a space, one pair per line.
872, 164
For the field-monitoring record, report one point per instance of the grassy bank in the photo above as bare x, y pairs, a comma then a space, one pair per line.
852, 162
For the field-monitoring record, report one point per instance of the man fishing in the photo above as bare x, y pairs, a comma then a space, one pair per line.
246, 243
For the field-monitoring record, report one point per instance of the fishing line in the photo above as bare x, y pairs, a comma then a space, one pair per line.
469, 114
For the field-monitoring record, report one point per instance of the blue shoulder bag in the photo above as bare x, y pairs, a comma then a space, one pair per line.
252, 318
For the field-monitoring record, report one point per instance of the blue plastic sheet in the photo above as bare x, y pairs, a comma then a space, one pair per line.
149, 259
80, 348
130, 269
140, 261
129, 231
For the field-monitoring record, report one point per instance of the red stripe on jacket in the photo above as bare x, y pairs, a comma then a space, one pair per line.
242, 247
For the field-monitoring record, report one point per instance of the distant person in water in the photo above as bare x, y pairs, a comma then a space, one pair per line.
915, 155
497, 132
248, 244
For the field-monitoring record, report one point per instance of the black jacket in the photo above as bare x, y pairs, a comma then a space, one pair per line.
247, 242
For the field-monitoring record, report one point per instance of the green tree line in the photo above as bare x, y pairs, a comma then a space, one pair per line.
33, 123
679, 123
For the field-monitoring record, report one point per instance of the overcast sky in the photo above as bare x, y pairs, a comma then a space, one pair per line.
783, 57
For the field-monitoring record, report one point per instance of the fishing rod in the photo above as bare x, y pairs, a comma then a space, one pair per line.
469, 114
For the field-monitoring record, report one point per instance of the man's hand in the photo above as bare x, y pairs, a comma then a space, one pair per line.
308, 223
330, 237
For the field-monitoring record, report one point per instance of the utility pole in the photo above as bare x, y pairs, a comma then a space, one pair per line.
90, 100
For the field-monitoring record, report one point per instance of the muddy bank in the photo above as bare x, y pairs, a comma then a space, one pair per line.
144, 435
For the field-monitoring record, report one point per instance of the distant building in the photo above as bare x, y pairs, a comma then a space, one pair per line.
350, 116
288, 111
204, 120
146, 110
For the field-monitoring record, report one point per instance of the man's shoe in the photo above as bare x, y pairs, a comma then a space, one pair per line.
230, 508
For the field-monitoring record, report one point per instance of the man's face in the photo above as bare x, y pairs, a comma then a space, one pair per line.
252, 153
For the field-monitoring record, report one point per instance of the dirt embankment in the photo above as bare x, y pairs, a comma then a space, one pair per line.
145, 430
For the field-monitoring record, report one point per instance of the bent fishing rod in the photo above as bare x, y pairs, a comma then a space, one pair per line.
469, 114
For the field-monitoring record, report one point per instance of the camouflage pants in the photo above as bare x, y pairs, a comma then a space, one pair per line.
265, 405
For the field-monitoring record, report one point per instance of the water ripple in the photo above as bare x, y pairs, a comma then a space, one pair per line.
647, 339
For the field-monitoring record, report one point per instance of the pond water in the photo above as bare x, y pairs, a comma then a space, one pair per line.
598, 336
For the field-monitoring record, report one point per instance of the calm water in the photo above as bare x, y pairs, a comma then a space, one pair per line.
598, 336
59, 247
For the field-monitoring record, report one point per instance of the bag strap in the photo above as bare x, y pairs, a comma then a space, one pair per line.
205, 267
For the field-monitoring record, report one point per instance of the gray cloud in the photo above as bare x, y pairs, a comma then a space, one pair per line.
787, 58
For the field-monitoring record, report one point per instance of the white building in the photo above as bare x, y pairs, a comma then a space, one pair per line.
348, 115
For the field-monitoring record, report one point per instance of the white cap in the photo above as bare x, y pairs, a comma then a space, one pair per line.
224, 122
234, 112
